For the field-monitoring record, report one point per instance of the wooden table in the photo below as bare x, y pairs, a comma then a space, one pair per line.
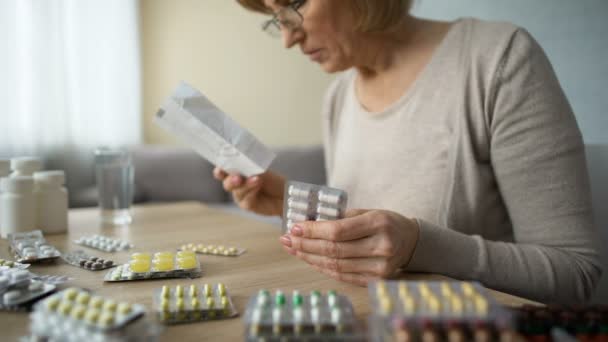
162, 227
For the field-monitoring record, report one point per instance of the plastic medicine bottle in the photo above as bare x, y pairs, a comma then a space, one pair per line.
5, 170
25, 166
18, 205
52, 201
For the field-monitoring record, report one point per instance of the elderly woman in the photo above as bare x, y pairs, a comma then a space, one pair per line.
455, 135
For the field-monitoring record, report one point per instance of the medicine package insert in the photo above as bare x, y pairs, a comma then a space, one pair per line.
309, 202
104, 243
125, 273
30, 247
219, 250
193, 303
315, 316
78, 307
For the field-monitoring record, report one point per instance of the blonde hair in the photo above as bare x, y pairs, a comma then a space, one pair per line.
372, 15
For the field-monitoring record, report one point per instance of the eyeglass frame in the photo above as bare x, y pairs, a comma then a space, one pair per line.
275, 21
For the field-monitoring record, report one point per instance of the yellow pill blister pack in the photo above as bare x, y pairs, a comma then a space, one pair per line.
193, 303
219, 250
75, 314
142, 266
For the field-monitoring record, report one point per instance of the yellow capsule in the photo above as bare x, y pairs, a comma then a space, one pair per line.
163, 265
446, 290
456, 304
52, 303
424, 289
124, 308
165, 292
164, 304
468, 289
139, 266
65, 308
433, 304
179, 304
186, 254
224, 302
96, 302
78, 312
409, 305
206, 290
193, 290
403, 292
71, 293
163, 255
83, 298
110, 305
92, 316
195, 303
210, 302
221, 289
381, 290
481, 305
141, 256
179, 291
186, 263
386, 306
106, 319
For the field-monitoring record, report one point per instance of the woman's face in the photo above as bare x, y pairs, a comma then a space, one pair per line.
326, 35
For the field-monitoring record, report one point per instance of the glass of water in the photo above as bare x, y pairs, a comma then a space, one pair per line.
114, 174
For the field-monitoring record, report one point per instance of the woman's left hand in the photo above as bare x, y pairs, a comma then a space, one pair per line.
366, 245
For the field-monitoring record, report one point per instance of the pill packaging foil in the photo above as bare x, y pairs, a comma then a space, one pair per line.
172, 314
413, 305
104, 243
317, 317
86, 261
18, 289
309, 202
219, 250
31, 247
75, 314
5, 264
124, 273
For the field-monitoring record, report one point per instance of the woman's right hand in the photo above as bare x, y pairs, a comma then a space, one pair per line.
261, 194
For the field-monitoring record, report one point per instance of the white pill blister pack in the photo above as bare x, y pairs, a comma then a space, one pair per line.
104, 243
193, 303
18, 288
76, 315
219, 250
31, 247
309, 202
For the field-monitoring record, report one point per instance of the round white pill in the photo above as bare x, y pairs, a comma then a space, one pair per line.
11, 296
295, 216
124, 244
28, 250
36, 286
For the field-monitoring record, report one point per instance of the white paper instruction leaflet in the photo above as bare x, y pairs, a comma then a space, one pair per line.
190, 116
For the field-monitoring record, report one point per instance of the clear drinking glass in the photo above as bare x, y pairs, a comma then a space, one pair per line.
114, 174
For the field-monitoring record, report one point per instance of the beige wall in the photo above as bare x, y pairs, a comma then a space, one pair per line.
219, 48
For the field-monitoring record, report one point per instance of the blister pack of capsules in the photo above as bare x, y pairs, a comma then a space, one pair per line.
12, 264
194, 303
77, 315
220, 250
30, 247
18, 289
580, 323
104, 243
419, 310
88, 262
142, 266
315, 316
309, 202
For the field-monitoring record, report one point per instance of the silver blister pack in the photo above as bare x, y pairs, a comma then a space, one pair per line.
104, 243
144, 266
309, 202
209, 249
88, 262
31, 247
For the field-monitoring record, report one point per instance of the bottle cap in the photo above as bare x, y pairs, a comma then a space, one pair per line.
5, 167
50, 178
26, 164
17, 184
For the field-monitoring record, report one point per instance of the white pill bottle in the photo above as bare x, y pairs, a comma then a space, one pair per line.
25, 166
5, 170
52, 201
18, 205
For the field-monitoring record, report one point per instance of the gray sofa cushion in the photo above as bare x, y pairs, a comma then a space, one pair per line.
164, 173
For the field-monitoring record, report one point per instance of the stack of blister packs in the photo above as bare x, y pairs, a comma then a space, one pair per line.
19, 290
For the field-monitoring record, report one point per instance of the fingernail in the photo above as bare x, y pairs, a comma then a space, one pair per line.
286, 240
297, 231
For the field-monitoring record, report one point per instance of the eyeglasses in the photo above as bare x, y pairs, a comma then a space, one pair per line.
287, 17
